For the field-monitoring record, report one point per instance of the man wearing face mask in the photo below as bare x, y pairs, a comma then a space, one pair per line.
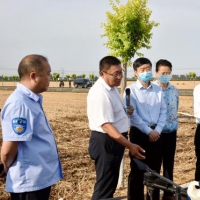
169, 132
147, 122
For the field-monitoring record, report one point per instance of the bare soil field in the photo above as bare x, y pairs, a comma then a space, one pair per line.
67, 115
178, 84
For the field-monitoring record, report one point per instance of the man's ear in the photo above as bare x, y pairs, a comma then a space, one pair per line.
135, 74
33, 76
101, 73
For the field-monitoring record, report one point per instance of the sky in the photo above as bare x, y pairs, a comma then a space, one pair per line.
68, 33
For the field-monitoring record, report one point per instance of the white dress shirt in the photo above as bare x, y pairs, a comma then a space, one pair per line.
149, 107
196, 95
104, 105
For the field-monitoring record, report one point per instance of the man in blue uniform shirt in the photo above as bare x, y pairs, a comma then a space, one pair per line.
29, 152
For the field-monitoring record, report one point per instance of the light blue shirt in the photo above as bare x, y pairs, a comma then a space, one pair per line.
37, 164
171, 96
149, 107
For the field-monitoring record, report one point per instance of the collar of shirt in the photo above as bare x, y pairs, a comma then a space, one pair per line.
169, 86
29, 93
102, 81
140, 86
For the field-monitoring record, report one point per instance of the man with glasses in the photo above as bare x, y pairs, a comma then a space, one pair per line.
147, 122
109, 125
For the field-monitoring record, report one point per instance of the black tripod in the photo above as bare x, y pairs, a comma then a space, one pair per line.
154, 180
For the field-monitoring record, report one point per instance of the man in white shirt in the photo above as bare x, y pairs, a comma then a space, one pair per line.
196, 98
109, 125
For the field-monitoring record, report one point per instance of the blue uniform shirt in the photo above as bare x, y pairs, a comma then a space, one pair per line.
149, 107
37, 164
171, 96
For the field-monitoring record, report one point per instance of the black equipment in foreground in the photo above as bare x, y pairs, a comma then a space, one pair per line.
115, 198
154, 180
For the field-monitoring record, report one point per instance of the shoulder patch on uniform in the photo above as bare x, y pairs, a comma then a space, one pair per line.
19, 125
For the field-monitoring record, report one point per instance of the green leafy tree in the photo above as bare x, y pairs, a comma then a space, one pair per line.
68, 77
15, 78
83, 75
55, 76
96, 78
192, 76
5, 78
73, 76
128, 29
91, 77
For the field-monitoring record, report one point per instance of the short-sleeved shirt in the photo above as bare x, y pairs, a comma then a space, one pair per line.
104, 105
171, 96
37, 164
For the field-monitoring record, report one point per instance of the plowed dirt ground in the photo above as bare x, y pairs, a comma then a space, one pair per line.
67, 115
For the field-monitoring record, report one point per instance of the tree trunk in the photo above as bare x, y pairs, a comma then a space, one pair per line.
123, 83
123, 86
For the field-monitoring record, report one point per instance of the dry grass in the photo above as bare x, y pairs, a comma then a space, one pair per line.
67, 115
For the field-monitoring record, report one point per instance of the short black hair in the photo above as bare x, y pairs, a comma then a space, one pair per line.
141, 61
31, 63
106, 62
163, 62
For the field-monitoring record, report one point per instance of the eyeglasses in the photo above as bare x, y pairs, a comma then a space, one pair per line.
115, 74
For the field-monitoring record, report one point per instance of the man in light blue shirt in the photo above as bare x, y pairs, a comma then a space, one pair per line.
169, 132
147, 123
29, 152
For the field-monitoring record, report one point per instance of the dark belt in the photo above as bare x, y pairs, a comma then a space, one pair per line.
152, 127
124, 134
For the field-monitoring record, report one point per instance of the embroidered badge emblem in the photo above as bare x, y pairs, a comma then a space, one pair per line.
19, 125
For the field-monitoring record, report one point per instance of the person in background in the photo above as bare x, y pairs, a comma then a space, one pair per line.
196, 99
169, 132
29, 151
70, 82
147, 122
109, 126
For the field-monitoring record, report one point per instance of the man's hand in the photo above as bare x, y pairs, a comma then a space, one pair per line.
136, 151
9, 151
154, 136
129, 110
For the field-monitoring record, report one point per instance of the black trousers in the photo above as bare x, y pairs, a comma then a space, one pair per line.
107, 154
168, 148
42, 194
153, 160
197, 152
